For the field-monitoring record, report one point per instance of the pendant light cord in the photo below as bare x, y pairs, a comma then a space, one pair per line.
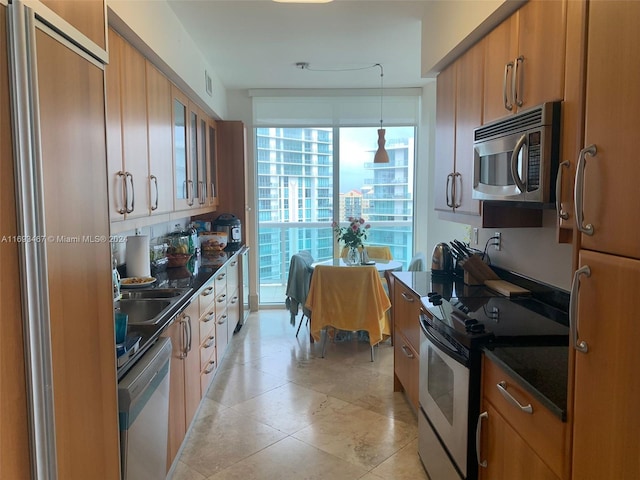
381, 89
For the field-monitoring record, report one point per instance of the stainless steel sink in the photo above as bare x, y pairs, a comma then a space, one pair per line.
148, 307
153, 293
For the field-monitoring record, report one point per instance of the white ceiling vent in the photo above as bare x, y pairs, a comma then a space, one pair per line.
208, 84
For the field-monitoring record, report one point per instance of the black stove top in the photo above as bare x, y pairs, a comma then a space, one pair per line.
485, 319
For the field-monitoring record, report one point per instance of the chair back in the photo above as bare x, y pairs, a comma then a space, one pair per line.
299, 280
418, 263
380, 252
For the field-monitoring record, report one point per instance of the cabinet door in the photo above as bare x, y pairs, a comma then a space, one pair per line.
607, 388
192, 364
445, 138
232, 196
406, 362
134, 130
468, 117
182, 186
71, 94
541, 42
87, 16
507, 454
212, 164
115, 161
159, 131
14, 426
177, 416
612, 106
501, 50
406, 311
194, 155
203, 150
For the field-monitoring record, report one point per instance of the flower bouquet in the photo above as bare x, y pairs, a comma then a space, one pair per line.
352, 236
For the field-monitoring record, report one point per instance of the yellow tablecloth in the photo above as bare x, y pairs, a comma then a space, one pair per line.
348, 298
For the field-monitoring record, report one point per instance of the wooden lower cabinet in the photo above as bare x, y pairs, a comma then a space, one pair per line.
505, 452
514, 443
184, 388
406, 339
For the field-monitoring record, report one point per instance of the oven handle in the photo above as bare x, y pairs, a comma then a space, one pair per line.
442, 345
482, 463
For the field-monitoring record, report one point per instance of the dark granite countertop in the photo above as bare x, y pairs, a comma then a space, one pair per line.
540, 370
193, 277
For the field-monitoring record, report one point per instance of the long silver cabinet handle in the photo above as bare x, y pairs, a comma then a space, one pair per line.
188, 318
190, 199
502, 388
133, 192
406, 351
154, 179
482, 463
122, 175
201, 192
446, 190
516, 82
578, 191
505, 97
455, 190
520, 144
579, 345
561, 213
184, 338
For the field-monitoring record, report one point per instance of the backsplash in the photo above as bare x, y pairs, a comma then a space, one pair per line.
118, 249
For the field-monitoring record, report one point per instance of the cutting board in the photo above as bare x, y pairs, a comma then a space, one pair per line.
506, 288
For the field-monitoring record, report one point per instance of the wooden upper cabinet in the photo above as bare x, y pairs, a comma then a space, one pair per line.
212, 163
88, 16
182, 182
458, 113
159, 122
611, 119
525, 59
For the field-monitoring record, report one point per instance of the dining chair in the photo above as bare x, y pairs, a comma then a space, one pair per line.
350, 299
298, 283
418, 263
381, 252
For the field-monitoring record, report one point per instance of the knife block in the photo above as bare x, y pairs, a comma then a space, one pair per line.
469, 279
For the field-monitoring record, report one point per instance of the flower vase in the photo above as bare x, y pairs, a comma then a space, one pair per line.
353, 256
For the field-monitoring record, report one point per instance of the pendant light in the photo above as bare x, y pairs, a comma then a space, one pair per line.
381, 155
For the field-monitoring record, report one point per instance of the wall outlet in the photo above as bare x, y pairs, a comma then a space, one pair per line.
138, 231
498, 240
475, 235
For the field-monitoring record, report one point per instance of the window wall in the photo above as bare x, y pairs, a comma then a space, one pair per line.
308, 177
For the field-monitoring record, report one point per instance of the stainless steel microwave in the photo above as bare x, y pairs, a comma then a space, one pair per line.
516, 158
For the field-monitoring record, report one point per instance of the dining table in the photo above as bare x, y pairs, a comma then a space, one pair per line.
380, 264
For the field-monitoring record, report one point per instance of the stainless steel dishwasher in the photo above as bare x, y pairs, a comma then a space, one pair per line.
143, 402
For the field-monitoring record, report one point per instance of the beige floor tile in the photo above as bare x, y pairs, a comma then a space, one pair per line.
403, 465
290, 408
291, 459
277, 410
359, 436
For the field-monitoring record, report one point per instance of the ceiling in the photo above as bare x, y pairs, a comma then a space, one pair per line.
256, 43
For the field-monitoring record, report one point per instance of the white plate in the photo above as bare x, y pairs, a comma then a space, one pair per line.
137, 282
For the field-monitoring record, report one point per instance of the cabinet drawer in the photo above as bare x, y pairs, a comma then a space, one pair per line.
233, 275
543, 431
206, 297
207, 375
406, 362
207, 350
406, 312
220, 280
207, 323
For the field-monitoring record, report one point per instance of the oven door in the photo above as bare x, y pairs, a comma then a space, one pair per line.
444, 394
493, 170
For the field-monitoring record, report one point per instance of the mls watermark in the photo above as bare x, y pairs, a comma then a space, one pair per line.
63, 239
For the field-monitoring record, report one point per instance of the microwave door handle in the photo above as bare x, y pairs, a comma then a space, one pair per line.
520, 144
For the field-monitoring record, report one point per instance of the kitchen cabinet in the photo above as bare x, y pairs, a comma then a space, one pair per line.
160, 147
222, 317
89, 17
184, 387
516, 443
232, 172
458, 113
14, 422
211, 170
525, 59
406, 340
606, 386
128, 155
182, 137
208, 335
71, 92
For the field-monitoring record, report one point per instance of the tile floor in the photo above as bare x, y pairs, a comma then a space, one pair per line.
277, 410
